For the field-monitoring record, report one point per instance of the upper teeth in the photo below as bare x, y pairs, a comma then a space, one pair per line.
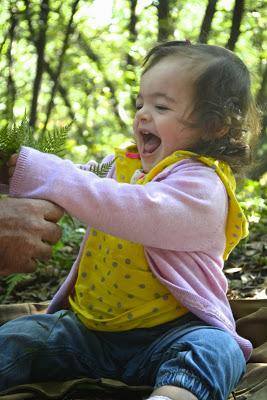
146, 132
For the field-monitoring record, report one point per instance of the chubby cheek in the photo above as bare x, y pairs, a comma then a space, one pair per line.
135, 123
135, 126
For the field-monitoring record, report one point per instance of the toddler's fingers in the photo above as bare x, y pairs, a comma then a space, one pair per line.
11, 171
12, 164
13, 160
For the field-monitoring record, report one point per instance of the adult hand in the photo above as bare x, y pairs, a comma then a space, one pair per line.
27, 231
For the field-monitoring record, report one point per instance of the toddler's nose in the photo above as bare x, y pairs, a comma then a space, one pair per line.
143, 114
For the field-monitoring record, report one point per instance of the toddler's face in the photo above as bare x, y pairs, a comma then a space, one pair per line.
165, 98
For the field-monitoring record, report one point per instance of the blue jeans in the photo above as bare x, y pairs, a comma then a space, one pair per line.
185, 352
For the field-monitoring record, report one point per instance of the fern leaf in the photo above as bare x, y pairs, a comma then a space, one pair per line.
101, 170
12, 137
12, 281
4, 140
104, 168
53, 142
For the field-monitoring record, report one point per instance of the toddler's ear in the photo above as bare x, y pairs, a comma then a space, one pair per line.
207, 136
222, 132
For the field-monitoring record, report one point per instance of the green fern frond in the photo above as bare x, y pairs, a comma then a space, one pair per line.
101, 170
53, 142
12, 281
4, 140
12, 137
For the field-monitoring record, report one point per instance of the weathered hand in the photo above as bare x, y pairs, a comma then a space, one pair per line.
27, 231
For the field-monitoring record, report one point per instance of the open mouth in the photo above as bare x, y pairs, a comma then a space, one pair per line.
151, 142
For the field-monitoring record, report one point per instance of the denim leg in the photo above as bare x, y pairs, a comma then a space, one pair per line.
48, 347
206, 361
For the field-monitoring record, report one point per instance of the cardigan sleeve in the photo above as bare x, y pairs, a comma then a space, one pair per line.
183, 210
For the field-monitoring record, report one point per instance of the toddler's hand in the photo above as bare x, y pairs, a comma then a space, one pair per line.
12, 164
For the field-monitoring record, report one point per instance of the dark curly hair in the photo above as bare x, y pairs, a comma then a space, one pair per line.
223, 102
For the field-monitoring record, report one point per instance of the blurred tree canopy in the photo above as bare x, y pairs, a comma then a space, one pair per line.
80, 60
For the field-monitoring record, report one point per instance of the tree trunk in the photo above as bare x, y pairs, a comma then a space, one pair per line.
165, 28
11, 89
132, 29
40, 47
60, 64
207, 20
236, 23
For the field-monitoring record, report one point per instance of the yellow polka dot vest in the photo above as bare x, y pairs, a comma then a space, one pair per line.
115, 289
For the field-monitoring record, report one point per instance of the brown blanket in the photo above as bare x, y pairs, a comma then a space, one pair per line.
251, 319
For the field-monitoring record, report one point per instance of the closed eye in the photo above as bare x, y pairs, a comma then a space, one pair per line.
162, 108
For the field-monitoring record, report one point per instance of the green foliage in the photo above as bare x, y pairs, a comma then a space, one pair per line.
11, 283
101, 169
66, 249
246, 266
53, 142
13, 137
253, 199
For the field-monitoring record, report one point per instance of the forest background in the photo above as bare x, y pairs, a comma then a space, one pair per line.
79, 61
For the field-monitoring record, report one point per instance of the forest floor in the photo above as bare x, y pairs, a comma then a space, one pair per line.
246, 271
